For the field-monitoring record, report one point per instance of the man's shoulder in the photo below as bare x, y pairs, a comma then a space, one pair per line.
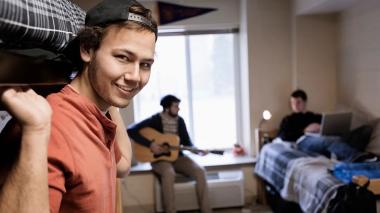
302, 114
156, 116
53, 98
150, 121
56, 99
310, 113
64, 111
289, 116
299, 116
58, 103
153, 118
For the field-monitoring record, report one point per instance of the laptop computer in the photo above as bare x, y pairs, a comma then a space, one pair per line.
337, 123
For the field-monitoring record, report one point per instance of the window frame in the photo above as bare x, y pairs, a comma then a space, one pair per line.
237, 76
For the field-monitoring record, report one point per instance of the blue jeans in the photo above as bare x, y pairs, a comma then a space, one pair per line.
325, 145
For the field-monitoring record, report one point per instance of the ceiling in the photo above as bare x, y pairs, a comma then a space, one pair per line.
304, 7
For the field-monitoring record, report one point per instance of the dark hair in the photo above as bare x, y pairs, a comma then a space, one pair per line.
90, 38
299, 93
167, 101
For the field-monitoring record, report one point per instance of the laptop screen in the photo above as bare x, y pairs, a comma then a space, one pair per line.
338, 123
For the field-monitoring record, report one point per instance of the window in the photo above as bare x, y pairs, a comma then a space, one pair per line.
201, 71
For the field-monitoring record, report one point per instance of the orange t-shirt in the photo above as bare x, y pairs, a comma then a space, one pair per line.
82, 156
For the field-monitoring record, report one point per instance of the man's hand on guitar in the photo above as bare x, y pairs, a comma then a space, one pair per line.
201, 152
156, 149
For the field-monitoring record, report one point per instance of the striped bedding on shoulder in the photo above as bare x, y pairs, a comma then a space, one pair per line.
48, 24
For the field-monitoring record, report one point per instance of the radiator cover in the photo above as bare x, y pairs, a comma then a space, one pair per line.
226, 189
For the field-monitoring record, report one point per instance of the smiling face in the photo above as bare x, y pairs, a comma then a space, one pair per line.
119, 68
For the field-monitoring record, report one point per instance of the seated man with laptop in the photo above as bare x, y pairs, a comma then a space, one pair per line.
328, 135
300, 121
336, 139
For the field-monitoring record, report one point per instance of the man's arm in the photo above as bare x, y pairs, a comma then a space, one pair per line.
315, 121
183, 133
134, 132
313, 128
25, 187
122, 140
288, 131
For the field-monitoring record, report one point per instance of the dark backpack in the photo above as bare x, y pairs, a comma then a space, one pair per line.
352, 198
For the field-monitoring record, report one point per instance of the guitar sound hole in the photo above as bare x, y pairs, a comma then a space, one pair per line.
166, 147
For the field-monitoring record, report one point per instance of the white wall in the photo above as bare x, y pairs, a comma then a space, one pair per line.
303, 7
266, 55
315, 60
284, 52
359, 72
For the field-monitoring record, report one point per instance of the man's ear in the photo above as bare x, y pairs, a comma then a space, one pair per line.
86, 54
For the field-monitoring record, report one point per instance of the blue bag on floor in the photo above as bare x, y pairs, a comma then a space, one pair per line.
345, 171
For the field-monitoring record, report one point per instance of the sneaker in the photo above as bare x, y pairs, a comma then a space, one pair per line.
365, 157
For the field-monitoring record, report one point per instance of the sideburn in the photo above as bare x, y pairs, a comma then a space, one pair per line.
91, 72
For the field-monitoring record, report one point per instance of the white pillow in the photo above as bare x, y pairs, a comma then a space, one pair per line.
374, 142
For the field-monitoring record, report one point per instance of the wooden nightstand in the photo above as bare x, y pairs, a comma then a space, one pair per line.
262, 137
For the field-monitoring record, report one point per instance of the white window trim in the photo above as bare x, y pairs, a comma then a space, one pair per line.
240, 130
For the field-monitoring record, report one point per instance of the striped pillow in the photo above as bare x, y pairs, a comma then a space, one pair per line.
47, 24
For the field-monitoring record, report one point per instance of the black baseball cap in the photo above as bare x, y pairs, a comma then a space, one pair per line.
110, 11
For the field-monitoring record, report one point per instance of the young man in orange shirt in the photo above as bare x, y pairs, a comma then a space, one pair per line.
117, 52
88, 147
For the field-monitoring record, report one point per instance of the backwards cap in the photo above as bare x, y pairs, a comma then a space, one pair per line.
110, 11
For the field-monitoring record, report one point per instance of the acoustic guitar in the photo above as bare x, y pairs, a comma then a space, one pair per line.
169, 143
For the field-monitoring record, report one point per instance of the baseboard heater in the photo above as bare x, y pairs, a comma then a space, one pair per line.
226, 189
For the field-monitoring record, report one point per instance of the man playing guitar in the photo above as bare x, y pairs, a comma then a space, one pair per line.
169, 122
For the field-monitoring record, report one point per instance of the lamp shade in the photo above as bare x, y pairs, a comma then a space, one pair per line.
267, 115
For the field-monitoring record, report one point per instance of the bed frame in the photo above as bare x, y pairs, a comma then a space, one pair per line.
374, 184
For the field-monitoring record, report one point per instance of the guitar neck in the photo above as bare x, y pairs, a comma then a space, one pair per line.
192, 149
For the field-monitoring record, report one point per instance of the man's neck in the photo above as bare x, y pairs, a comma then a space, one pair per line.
82, 86
168, 115
300, 112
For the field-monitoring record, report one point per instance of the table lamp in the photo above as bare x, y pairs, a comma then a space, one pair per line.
266, 116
